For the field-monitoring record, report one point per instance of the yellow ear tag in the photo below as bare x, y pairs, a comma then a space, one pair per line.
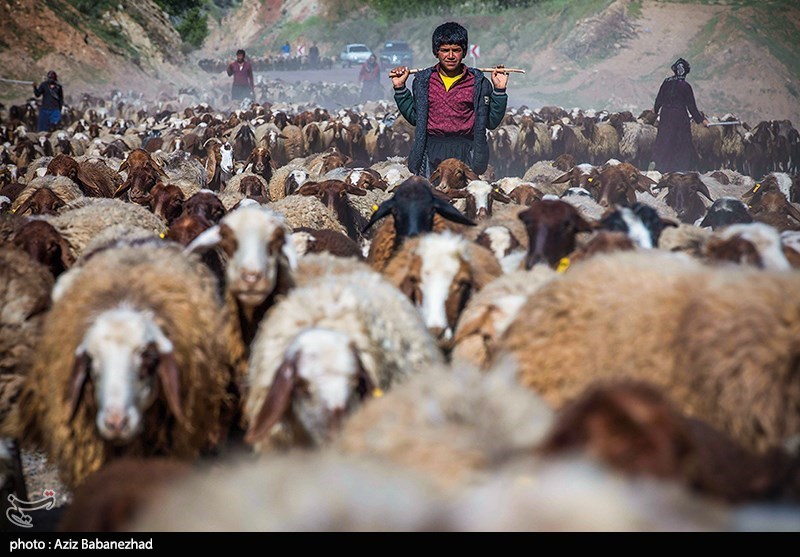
755, 189
377, 393
590, 179
374, 208
162, 235
563, 265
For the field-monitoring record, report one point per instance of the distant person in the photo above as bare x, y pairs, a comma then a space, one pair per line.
313, 56
673, 150
242, 73
286, 50
451, 106
370, 78
52, 102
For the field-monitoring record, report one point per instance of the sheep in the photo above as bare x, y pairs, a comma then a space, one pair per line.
261, 261
42, 242
479, 196
685, 238
307, 240
62, 188
640, 222
166, 201
324, 349
633, 428
251, 185
261, 161
755, 243
552, 227
587, 207
180, 165
453, 426
43, 201
602, 242
636, 143
603, 140
334, 195
25, 297
205, 203
306, 493
286, 179
392, 171
619, 184
773, 208
136, 352
682, 330
488, 314
683, 195
294, 145
413, 208
439, 273
306, 212
506, 247
79, 222
111, 498
725, 211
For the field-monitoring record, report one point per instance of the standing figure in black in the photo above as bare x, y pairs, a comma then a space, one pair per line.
673, 150
52, 102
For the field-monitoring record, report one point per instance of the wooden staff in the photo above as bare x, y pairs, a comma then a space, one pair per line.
485, 70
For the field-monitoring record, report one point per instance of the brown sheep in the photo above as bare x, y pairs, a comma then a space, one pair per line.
137, 354
725, 352
618, 184
205, 204
43, 201
45, 245
308, 240
439, 273
333, 194
166, 201
634, 428
685, 189
552, 226
452, 174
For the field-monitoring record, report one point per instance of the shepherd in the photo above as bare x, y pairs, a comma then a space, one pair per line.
673, 150
52, 102
242, 73
451, 105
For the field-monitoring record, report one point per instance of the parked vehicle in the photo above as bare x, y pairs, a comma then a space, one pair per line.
396, 53
354, 53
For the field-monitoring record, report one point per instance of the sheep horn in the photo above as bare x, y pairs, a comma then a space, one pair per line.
450, 213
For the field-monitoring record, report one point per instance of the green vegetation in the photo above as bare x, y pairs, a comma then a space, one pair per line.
193, 27
92, 20
635, 9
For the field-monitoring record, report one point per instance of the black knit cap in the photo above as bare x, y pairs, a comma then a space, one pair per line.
449, 33
681, 68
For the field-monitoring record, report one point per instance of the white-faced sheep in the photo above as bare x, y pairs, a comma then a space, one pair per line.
137, 356
323, 350
723, 350
439, 273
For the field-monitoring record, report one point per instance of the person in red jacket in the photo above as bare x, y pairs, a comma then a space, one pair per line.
370, 78
242, 73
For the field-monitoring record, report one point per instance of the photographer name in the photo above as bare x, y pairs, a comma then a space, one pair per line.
83, 543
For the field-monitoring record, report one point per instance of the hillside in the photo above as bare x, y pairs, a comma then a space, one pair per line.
595, 53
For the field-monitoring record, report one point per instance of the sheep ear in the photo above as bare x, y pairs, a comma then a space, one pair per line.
66, 253
435, 178
77, 381
207, 240
563, 178
277, 402
498, 195
450, 213
456, 194
471, 175
170, 381
670, 222
353, 190
478, 325
288, 250
365, 385
24, 207
792, 211
703, 189
309, 188
124, 165
384, 210
643, 183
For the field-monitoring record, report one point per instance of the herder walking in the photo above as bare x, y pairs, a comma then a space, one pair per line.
242, 73
673, 150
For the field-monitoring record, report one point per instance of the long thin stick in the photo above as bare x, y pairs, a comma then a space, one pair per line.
724, 123
15, 81
508, 70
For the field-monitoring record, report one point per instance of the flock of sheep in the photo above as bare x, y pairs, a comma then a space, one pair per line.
257, 319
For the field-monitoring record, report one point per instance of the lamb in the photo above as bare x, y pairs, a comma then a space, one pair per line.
439, 273
725, 211
326, 348
489, 313
160, 382
453, 426
741, 379
452, 174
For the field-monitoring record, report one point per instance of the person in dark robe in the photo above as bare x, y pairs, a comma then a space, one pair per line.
673, 150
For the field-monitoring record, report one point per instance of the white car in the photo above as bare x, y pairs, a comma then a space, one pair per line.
355, 53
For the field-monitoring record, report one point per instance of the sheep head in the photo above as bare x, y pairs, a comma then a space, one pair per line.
43, 201
260, 255
552, 226
412, 206
44, 244
452, 174
684, 194
321, 379
127, 357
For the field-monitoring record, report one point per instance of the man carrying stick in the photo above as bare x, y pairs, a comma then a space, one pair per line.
451, 106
